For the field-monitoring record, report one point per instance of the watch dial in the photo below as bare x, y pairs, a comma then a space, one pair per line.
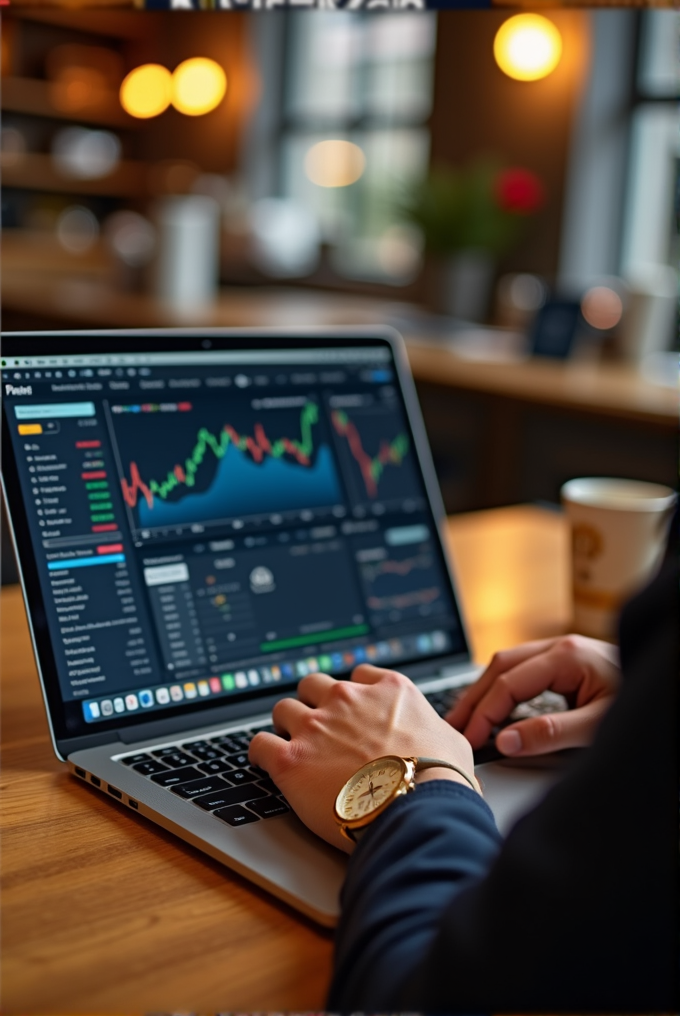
370, 788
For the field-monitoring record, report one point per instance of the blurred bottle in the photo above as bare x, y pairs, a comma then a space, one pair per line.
187, 263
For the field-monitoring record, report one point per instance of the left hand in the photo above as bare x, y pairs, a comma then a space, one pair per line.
335, 727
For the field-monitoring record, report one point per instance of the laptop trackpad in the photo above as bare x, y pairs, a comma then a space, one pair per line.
512, 787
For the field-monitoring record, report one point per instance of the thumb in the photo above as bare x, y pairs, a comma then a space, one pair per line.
551, 732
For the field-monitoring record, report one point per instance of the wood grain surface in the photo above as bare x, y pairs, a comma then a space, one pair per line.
104, 913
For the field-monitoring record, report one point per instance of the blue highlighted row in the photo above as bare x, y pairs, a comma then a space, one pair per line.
85, 562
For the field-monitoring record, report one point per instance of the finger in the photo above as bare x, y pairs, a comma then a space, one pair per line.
552, 732
313, 688
267, 751
366, 673
501, 662
523, 682
288, 714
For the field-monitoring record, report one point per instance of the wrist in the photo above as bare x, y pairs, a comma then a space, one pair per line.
440, 773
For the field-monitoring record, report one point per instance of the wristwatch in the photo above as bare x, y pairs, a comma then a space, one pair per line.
377, 784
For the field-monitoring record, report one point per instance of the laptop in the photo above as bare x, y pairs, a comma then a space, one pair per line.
202, 517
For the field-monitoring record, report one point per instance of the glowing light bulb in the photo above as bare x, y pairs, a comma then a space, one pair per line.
198, 86
527, 47
334, 163
146, 91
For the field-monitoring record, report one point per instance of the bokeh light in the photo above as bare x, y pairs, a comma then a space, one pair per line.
334, 163
602, 308
146, 91
527, 47
198, 86
77, 229
85, 154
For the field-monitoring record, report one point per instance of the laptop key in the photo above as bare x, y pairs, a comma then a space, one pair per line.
150, 768
232, 795
174, 777
208, 785
207, 754
190, 745
269, 808
216, 766
268, 785
238, 776
132, 760
239, 760
178, 759
236, 816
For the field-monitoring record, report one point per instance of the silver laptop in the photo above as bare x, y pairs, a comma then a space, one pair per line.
201, 517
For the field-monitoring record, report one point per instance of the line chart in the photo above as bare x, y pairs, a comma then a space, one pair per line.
371, 467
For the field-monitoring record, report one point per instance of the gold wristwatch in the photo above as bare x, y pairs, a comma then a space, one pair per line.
377, 784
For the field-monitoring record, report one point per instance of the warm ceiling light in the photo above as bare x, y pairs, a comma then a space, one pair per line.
146, 91
198, 86
527, 47
334, 163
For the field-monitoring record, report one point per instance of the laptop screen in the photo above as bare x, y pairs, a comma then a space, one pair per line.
214, 525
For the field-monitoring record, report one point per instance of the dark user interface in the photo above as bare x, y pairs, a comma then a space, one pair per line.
209, 527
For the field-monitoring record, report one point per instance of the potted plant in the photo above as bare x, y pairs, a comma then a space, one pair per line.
468, 217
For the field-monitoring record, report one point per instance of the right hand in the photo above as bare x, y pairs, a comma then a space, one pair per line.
584, 670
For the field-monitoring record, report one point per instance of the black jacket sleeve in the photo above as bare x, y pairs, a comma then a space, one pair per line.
575, 912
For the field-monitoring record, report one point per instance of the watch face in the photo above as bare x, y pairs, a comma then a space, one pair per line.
369, 789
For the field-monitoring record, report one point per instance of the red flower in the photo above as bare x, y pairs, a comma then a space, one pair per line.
519, 190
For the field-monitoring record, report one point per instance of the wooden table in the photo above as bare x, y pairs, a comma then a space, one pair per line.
105, 913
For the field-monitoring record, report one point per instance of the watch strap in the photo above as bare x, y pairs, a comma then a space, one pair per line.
423, 762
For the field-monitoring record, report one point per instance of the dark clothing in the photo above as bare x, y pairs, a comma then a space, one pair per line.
576, 911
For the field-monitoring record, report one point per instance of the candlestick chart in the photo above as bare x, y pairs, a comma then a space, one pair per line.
375, 451
180, 471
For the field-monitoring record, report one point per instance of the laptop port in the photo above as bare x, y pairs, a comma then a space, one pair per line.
114, 792
81, 772
95, 779
133, 804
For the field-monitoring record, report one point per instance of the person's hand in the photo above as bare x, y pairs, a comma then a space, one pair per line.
335, 727
584, 670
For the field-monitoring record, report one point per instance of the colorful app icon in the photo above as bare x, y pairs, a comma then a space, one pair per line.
145, 699
372, 652
439, 640
176, 693
131, 703
337, 661
288, 670
325, 663
276, 673
215, 685
162, 696
203, 689
190, 690
348, 659
253, 677
424, 644
228, 682
360, 654
91, 711
396, 648
383, 651
301, 668
106, 706
266, 675
119, 705
241, 679
312, 664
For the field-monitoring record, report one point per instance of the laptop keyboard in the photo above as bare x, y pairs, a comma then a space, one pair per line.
214, 774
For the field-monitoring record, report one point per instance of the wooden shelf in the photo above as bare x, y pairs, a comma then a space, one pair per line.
37, 172
36, 98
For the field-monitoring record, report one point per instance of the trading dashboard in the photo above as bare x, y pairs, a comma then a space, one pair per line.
210, 525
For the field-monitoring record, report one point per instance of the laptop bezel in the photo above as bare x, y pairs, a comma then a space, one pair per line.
196, 340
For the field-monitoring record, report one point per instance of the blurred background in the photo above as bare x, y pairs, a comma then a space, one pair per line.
502, 189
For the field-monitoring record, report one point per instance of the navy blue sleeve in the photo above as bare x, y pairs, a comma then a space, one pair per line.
576, 911
401, 875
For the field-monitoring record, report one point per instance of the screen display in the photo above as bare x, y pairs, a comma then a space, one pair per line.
216, 525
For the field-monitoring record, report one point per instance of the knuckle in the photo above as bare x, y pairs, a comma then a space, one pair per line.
570, 644
344, 692
545, 729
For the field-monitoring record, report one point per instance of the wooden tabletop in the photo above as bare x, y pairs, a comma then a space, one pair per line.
105, 913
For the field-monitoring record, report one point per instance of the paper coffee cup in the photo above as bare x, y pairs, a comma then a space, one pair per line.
618, 536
